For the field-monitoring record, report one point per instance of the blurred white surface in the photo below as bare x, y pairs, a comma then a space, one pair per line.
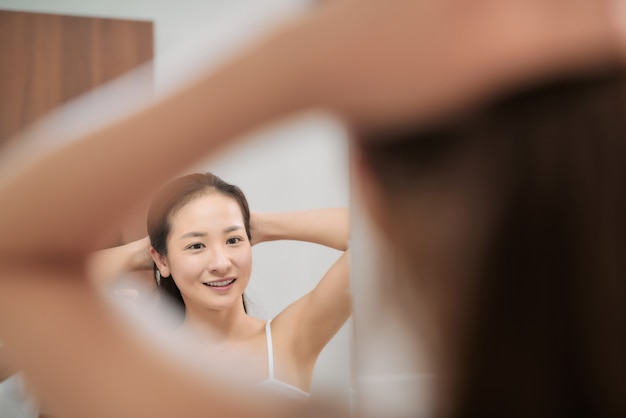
14, 402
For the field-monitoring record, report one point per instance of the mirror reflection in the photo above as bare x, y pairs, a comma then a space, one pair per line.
289, 169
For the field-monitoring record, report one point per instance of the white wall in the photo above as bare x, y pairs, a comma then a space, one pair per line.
296, 166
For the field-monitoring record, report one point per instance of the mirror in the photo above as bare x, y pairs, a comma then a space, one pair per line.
299, 165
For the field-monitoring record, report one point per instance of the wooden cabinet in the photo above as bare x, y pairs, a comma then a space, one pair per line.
47, 59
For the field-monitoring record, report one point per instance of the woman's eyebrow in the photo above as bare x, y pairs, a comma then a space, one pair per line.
193, 234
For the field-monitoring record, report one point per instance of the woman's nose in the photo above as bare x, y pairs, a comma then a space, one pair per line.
220, 261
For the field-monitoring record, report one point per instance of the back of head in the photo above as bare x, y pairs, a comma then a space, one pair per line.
528, 248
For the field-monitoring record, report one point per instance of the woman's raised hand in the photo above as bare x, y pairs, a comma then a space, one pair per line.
327, 226
105, 266
382, 62
255, 230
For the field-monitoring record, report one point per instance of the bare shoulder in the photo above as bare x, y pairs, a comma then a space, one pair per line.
292, 364
287, 332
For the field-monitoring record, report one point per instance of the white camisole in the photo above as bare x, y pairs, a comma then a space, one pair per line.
272, 382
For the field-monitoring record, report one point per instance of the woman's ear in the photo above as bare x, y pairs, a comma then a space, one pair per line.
161, 262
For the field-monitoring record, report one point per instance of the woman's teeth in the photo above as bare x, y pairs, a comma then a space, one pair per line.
220, 284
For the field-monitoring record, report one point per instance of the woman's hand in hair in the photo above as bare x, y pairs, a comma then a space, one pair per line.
140, 255
105, 266
327, 226
256, 233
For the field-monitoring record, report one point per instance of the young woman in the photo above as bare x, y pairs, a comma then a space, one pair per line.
201, 232
377, 64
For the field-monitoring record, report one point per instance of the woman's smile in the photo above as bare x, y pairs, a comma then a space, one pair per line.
221, 285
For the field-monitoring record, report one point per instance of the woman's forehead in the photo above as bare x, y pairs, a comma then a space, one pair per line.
208, 209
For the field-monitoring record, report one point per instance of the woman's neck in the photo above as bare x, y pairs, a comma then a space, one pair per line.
223, 325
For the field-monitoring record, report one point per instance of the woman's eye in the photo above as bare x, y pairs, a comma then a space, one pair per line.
233, 240
197, 246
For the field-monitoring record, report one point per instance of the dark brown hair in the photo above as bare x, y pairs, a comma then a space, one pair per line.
546, 329
173, 196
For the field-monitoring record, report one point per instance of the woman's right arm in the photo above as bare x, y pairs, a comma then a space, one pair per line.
312, 320
106, 265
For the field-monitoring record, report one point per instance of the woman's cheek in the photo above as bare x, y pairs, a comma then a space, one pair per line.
188, 268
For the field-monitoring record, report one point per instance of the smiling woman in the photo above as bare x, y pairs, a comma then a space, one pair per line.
201, 233
192, 217
54, 211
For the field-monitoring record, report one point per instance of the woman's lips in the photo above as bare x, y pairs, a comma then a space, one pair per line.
224, 284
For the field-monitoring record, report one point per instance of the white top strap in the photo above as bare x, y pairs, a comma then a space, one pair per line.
270, 349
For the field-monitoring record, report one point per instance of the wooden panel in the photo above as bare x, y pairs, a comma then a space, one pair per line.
47, 59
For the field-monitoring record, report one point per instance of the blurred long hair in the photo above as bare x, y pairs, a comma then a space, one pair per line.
545, 331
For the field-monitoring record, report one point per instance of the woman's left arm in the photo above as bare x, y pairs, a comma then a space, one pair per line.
328, 227
316, 317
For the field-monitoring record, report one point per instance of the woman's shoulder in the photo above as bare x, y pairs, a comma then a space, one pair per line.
286, 332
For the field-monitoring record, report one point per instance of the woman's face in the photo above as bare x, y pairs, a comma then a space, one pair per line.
208, 253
